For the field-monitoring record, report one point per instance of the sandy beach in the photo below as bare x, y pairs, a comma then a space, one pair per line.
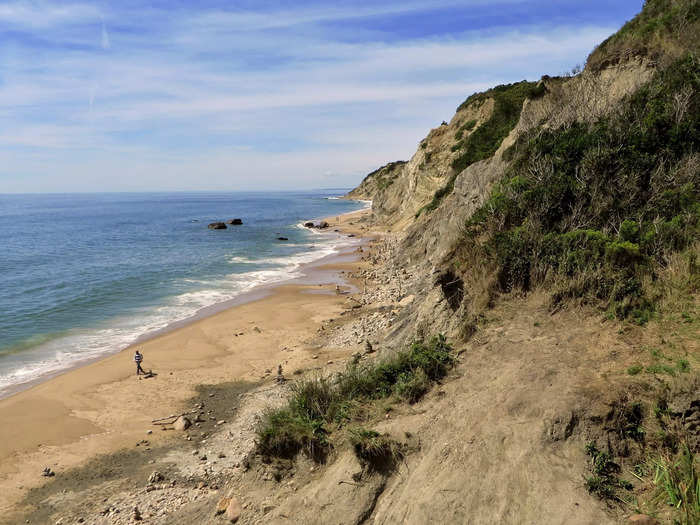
103, 407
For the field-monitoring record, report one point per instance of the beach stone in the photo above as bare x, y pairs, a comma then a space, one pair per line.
182, 423
233, 511
155, 477
222, 505
643, 519
217, 226
235, 222
322, 225
309, 224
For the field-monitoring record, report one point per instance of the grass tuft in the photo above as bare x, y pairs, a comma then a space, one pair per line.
319, 405
375, 451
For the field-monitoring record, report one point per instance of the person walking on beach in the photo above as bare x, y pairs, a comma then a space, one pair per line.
138, 357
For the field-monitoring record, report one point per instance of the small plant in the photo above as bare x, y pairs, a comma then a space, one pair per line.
283, 433
661, 369
604, 482
678, 485
374, 450
683, 366
634, 369
411, 386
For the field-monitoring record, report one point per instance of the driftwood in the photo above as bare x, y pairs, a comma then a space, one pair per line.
164, 420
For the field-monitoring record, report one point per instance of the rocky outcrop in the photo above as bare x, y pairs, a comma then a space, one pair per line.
217, 226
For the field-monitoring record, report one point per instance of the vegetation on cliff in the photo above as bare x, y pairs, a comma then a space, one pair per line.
595, 209
482, 142
663, 28
318, 406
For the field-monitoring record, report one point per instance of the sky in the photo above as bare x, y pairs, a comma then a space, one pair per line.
173, 95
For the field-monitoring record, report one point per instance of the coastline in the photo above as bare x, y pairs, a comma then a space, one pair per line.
258, 291
101, 407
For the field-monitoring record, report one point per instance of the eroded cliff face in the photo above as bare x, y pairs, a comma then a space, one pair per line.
400, 191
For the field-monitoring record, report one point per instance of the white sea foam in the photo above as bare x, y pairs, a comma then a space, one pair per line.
80, 346
241, 260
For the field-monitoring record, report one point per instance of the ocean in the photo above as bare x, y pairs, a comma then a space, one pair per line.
85, 275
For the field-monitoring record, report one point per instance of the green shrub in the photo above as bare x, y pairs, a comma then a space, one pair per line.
593, 209
374, 450
635, 369
486, 139
677, 483
318, 404
604, 482
283, 433
412, 386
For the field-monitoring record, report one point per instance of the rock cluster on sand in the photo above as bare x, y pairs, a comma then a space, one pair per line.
182, 423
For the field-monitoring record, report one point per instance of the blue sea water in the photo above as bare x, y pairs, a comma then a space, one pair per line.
84, 275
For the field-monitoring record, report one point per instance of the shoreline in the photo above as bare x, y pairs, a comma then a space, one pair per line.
100, 407
259, 291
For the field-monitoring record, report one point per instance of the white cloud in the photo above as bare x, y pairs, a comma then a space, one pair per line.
216, 96
45, 14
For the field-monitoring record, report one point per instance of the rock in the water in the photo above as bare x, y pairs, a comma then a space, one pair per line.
222, 505
182, 423
217, 226
235, 222
308, 224
282, 239
233, 511
643, 519
322, 225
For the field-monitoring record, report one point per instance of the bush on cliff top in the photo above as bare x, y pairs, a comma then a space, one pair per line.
593, 209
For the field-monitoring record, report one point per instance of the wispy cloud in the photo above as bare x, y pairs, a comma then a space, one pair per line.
39, 15
211, 94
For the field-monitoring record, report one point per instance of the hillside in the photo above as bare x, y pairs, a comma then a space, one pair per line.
576, 196
522, 342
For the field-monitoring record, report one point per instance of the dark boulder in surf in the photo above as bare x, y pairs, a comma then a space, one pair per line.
217, 226
235, 222
308, 224
322, 225
282, 239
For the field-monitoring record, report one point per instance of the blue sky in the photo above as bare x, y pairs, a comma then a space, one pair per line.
236, 95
